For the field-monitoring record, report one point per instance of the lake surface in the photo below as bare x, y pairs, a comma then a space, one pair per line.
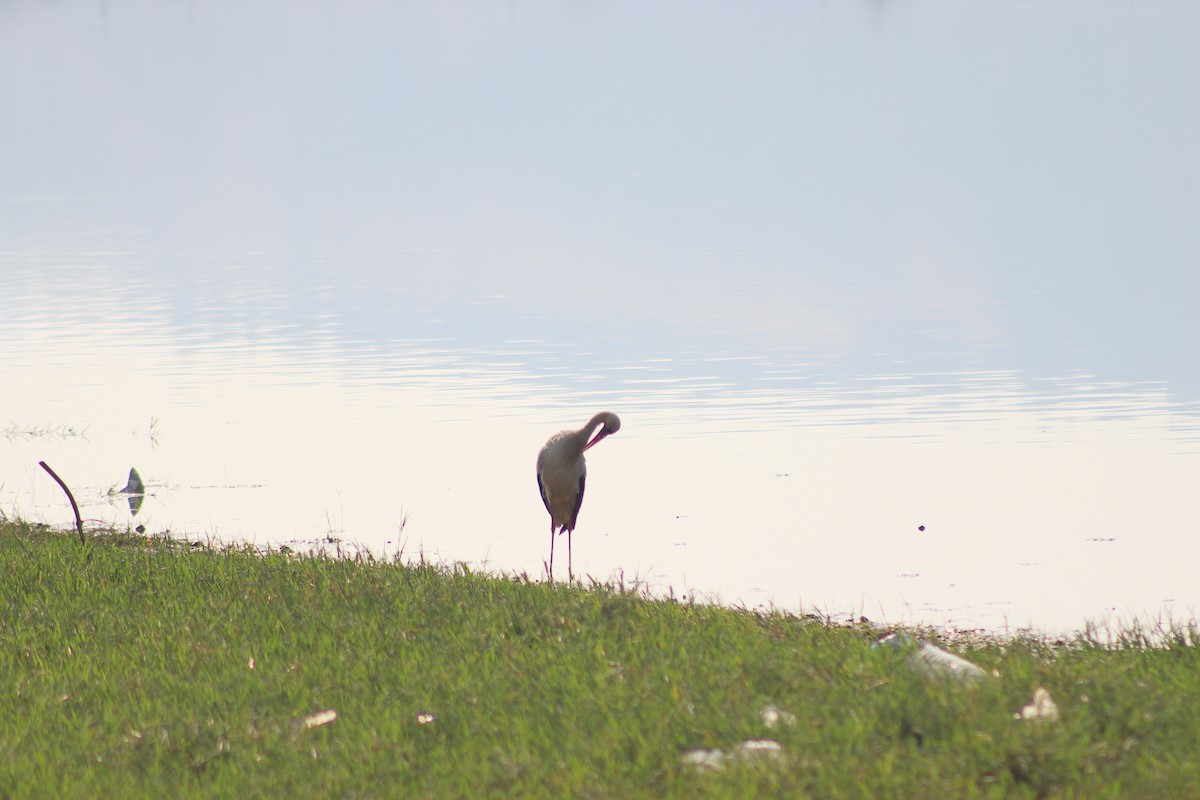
897, 301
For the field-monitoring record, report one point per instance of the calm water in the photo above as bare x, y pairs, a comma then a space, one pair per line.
844, 270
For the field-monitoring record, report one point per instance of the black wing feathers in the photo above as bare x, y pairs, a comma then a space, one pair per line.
542, 492
578, 504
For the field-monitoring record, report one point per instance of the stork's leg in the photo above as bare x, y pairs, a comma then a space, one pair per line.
551, 552
570, 574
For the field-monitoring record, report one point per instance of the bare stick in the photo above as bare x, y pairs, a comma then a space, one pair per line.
71, 497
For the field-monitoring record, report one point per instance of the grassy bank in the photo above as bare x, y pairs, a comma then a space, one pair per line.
131, 668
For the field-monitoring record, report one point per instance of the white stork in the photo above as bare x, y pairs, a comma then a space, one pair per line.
561, 471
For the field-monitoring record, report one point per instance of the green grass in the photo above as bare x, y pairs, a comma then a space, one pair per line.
132, 667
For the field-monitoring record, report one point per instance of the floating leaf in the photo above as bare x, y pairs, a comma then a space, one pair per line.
135, 485
136, 491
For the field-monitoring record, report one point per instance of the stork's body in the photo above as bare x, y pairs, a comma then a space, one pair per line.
562, 472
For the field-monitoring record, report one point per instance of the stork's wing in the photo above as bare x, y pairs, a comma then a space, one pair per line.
578, 503
542, 492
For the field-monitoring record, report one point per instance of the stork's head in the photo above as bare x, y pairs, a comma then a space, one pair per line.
609, 423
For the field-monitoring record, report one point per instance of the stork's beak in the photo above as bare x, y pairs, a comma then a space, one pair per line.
596, 439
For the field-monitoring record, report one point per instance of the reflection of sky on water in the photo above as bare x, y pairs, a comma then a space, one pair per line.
843, 270
691, 375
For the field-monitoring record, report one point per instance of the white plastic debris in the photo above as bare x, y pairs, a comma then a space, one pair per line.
754, 749
1043, 707
751, 750
772, 716
320, 718
930, 659
705, 759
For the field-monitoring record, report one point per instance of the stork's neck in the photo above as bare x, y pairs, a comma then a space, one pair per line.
586, 431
